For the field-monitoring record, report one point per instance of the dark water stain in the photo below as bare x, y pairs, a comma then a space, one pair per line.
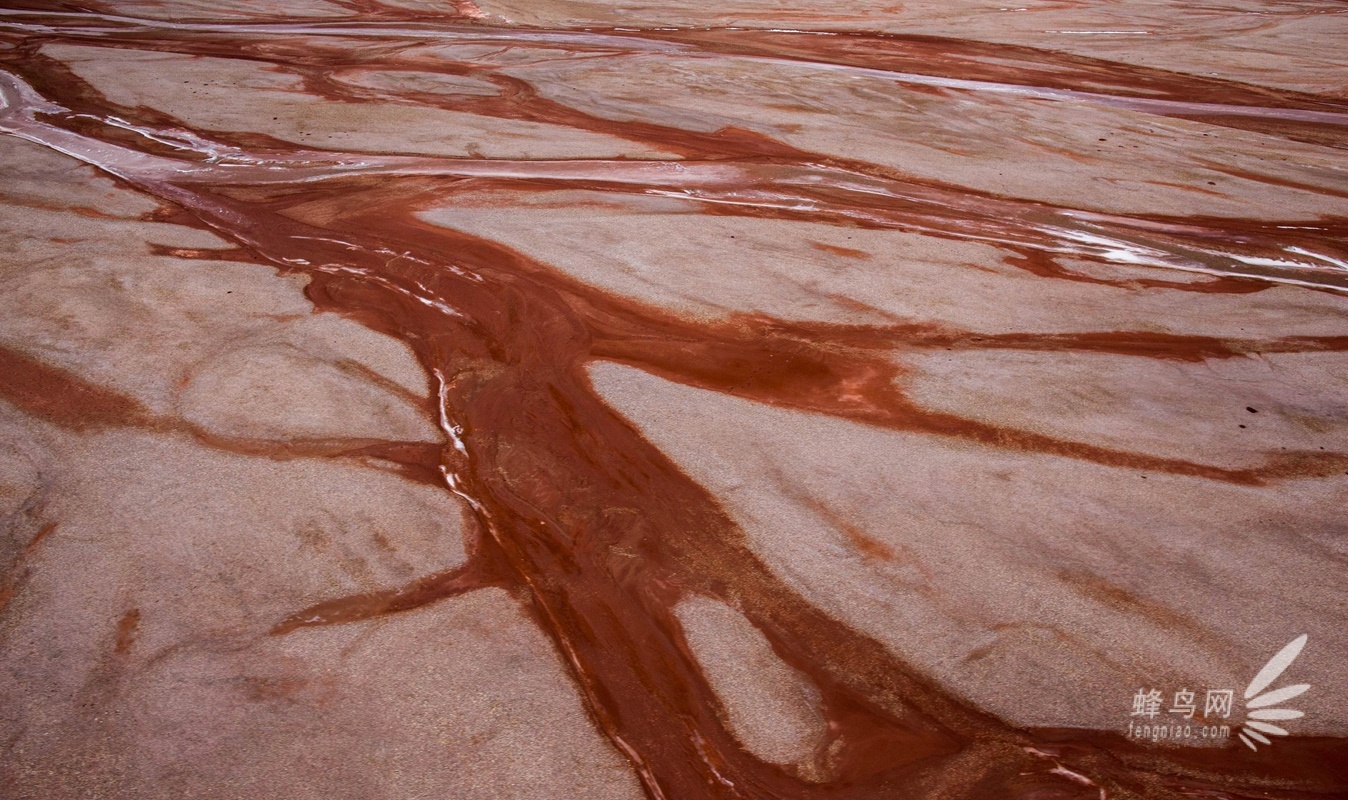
127, 628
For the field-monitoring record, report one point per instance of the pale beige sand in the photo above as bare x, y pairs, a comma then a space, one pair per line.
147, 562
771, 707
150, 567
222, 94
712, 267
1272, 44
1043, 589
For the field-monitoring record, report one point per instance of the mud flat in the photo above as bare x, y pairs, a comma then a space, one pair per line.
515, 399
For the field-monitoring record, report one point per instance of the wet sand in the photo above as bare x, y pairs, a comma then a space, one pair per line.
557, 399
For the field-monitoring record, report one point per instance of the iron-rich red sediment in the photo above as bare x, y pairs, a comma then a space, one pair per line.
575, 509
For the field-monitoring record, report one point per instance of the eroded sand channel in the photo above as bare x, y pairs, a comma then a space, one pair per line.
534, 399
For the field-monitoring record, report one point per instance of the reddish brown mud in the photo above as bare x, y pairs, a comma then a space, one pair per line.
1034, 68
600, 530
60, 397
373, 604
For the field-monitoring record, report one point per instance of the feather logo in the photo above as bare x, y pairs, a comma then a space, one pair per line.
1259, 717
